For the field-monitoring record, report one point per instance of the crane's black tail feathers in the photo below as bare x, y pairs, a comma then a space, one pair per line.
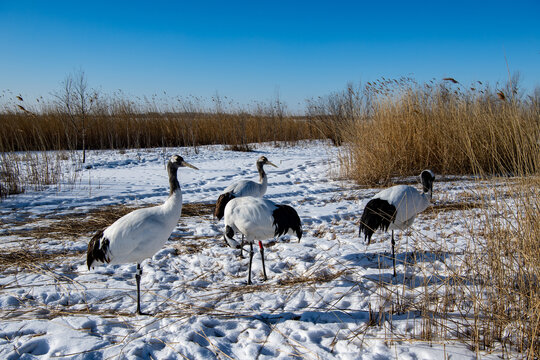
378, 214
285, 218
221, 202
98, 248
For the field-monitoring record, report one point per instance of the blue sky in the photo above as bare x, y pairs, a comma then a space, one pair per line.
253, 50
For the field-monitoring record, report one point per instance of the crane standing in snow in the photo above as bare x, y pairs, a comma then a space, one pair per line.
141, 233
259, 219
244, 188
395, 208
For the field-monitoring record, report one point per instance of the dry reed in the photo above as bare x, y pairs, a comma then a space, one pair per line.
404, 129
121, 123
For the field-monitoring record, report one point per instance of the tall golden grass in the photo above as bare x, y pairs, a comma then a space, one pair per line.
489, 295
402, 128
506, 268
123, 127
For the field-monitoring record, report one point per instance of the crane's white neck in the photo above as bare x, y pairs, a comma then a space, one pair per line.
426, 197
173, 204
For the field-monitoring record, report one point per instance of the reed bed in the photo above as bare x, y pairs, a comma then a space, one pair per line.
397, 128
505, 269
51, 131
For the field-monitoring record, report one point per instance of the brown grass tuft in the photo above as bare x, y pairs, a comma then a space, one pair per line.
79, 225
29, 259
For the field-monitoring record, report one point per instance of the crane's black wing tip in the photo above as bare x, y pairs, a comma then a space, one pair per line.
98, 248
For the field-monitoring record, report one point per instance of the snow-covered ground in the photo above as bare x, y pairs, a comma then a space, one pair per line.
315, 305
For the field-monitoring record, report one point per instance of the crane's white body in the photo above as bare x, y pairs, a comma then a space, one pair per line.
408, 202
252, 217
258, 219
248, 187
143, 232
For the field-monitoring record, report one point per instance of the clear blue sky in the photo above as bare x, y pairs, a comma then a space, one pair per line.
251, 50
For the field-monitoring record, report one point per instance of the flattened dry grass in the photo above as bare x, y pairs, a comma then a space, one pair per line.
71, 226
189, 248
76, 226
28, 258
322, 277
454, 206
80, 224
197, 209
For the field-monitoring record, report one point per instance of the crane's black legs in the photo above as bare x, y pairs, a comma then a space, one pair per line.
242, 247
393, 253
138, 279
250, 259
261, 249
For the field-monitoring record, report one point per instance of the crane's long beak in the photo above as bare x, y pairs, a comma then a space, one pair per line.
270, 163
184, 163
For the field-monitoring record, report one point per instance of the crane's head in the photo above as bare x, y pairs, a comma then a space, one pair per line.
228, 235
427, 178
264, 161
177, 161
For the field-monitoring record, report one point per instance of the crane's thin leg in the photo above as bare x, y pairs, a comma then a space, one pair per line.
138, 275
250, 259
261, 249
367, 240
393, 253
242, 247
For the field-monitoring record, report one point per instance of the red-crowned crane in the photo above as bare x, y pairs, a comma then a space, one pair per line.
259, 219
395, 208
244, 188
141, 233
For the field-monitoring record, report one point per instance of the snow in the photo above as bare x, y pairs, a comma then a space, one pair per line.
315, 303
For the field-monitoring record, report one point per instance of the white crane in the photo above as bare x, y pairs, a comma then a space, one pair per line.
259, 219
395, 208
141, 233
244, 188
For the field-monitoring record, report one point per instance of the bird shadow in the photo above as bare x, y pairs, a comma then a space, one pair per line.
316, 317
368, 259
383, 261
